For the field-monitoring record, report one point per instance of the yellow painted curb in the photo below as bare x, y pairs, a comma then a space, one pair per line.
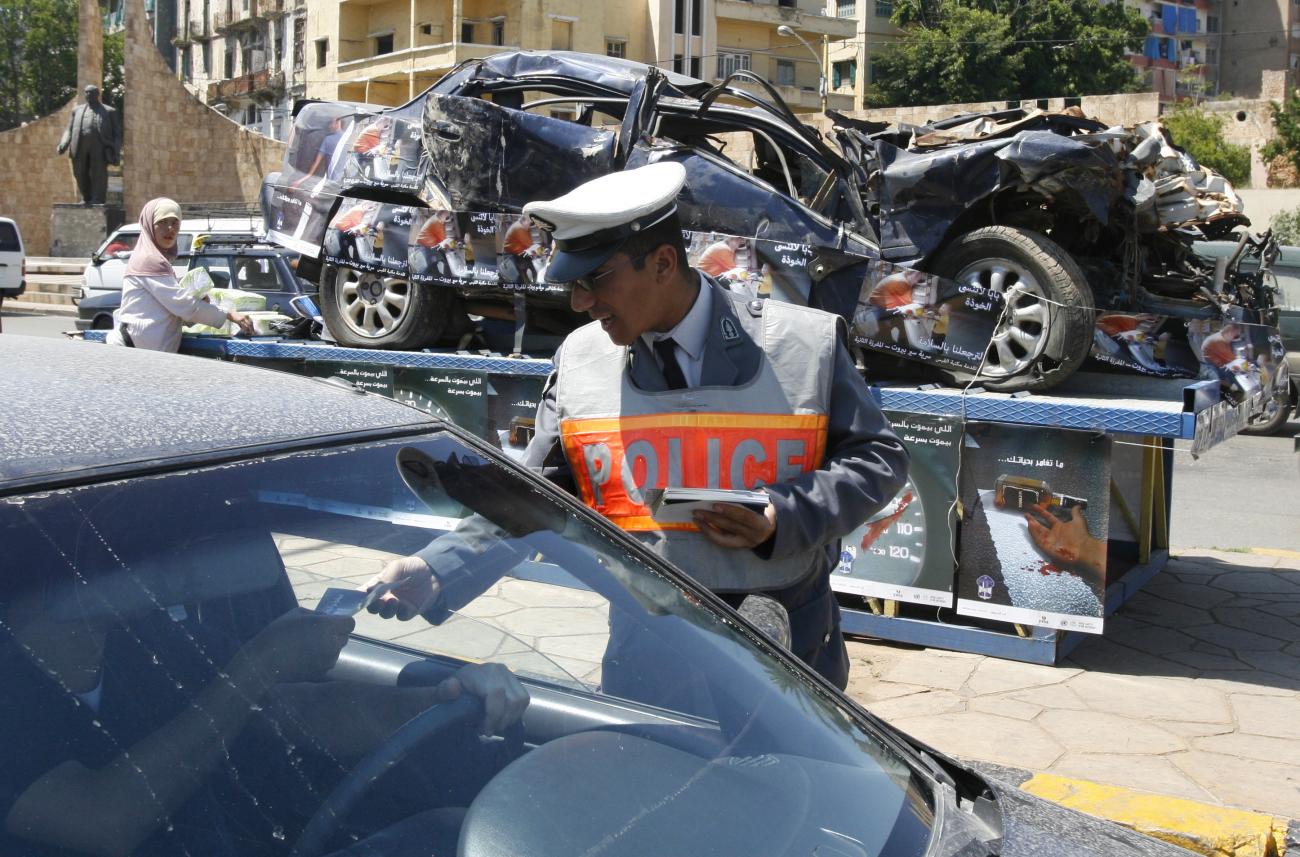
1214, 831
1279, 552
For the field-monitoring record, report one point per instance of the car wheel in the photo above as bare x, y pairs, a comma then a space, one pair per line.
102, 322
369, 310
1270, 422
1047, 330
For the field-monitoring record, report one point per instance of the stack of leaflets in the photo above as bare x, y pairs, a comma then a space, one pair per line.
675, 505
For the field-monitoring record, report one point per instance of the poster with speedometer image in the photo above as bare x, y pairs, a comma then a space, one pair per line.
904, 552
453, 395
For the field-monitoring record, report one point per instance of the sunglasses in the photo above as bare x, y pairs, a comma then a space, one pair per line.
588, 282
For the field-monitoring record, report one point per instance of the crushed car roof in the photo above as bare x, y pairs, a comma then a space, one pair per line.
618, 75
72, 407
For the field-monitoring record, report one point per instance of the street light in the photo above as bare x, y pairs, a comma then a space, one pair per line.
787, 30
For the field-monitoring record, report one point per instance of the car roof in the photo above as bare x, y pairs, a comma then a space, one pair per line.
206, 224
76, 409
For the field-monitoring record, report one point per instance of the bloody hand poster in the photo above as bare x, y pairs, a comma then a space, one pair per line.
1035, 516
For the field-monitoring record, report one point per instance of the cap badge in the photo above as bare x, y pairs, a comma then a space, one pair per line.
730, 332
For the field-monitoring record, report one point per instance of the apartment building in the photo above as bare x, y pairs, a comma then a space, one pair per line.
1183, 54
1258, 36
245, 58
852, 64
387, 52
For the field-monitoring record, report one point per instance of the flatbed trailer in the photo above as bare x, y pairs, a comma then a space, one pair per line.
493, 394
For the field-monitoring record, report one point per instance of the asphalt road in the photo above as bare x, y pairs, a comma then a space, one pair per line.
1242, 494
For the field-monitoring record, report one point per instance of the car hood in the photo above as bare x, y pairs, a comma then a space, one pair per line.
620, 76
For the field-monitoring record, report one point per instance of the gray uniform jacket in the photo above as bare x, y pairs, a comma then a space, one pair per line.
865, 465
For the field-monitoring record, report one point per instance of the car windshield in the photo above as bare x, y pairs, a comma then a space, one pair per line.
133, 612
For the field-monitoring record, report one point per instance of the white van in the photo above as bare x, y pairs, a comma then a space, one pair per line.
108, 265
13, 261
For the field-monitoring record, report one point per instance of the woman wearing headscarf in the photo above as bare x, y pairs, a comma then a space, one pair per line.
153, 305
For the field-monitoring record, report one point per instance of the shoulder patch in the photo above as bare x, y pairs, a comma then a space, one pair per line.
730, 333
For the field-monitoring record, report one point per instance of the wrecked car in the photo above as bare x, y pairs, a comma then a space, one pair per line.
982, 247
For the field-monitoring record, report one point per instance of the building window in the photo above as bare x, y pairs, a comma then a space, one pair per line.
1211, 23
789, 4
187, 62
1211, 56
677, 63
426, 29
846, 8
785, 72
207, 59
561, 35
695, 67
467, 32
844, 73
730, 62
884, 8
679, 16
230, 63
383, 44
873, 71
299, 39
322, 52
616, 48
499, 33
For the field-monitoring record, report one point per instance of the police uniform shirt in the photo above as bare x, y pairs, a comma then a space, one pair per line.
690, 336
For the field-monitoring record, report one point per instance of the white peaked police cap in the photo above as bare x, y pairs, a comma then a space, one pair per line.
591, 222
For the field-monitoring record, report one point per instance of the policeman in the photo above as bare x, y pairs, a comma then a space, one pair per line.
677, 381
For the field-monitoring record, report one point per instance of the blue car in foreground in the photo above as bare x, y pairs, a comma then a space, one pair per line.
184, 673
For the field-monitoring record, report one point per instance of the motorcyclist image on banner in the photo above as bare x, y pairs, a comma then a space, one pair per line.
436, 249
522, 251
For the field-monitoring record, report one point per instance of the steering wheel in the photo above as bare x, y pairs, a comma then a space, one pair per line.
411, 734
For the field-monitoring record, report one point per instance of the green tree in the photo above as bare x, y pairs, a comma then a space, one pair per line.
1286, 226
1201, 134
114, 69
38, 58
1059, 48
1286, 127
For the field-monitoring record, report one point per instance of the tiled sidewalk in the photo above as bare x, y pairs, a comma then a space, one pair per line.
1194, 691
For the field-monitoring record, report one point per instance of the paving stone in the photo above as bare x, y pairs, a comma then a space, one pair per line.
995, 676
1278, 663
1273, 716
1194, 730
1205, 661
1192, 594
1257, 581
584, 647
1210, 648
933, 671
918, 705
1055, 696
1246, 681
1281, 750
1097, 654
354, 569
557, 621
1287, 609
1244, 783
1258, 622
1004, 706
870, 689
534, 594
1100, 732
1145, 697
1148, 773
489, 607
1154, 639
1170, 614
457, 637
1236, 639
976, 735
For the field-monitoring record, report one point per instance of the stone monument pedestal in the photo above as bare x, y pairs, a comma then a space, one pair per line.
78, 230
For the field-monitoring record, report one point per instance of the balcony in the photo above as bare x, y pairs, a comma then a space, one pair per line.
426, 58
775, 15
251, 85
238, 16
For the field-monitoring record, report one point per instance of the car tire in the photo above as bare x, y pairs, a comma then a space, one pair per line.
1049, 328
102, 322
369, 310
1272, 423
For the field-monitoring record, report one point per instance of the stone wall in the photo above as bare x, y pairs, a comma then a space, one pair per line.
1127, 109
38, 177
177, 146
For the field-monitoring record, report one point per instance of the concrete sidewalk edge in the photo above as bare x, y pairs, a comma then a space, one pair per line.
1215, 831
33, 308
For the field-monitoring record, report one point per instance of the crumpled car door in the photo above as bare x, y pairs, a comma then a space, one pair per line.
639, 114
484, 157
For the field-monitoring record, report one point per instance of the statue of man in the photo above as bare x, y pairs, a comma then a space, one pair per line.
93, 140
